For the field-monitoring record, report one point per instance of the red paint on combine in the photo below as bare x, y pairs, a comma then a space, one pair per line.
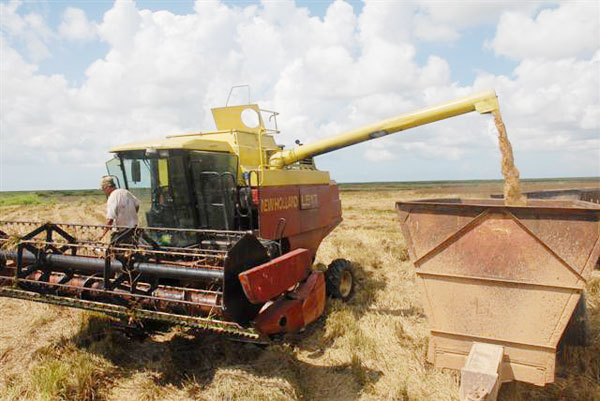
302, 214
267, 281
296, 309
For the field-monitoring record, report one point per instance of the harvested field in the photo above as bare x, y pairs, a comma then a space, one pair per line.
372, 348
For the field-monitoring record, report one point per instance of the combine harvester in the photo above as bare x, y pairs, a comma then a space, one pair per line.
232, 224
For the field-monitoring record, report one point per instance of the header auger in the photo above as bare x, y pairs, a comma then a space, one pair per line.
230, 224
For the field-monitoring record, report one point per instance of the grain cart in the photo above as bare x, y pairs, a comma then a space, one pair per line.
500, 283
231, 225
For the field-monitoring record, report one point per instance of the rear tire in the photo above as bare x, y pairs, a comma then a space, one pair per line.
339, 280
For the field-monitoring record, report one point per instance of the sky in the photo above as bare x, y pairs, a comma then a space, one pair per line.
77, 77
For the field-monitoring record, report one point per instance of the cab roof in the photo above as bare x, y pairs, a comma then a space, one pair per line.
228, 120
199, 141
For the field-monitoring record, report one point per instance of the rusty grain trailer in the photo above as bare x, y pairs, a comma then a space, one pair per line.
509, 277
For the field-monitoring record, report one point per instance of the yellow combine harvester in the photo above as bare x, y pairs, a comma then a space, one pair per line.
232, 223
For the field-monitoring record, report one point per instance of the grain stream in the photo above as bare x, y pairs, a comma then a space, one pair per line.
512, 184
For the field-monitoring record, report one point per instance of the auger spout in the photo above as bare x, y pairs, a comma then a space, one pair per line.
483, 102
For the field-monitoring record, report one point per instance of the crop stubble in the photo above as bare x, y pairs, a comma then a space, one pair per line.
370, 349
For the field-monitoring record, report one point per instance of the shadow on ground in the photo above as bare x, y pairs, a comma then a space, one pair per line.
315, 337
577, 372
185, 358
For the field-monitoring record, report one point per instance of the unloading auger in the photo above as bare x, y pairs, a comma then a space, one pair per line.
231, 226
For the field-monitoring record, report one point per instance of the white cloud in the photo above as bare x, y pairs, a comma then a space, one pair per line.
433, 151
420, 143
76, 26
571, 30
120, 26
33, 108
379, 155
163, 72
429, 30
30, 30
550, 100
463, 13
444, 20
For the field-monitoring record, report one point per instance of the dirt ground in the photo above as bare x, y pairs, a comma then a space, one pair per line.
372, 348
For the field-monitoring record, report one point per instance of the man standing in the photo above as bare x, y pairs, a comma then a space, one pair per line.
121, 210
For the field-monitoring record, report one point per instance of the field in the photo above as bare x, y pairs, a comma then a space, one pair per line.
372, 348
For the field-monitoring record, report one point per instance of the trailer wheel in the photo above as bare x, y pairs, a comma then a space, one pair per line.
339, 280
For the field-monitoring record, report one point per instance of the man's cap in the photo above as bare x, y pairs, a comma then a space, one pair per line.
107, 181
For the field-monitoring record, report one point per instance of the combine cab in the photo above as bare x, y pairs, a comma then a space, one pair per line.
232, 224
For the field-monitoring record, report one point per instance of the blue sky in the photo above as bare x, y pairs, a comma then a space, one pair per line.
79, 77
465, 55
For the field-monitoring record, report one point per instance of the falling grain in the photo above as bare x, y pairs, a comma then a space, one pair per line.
512, 185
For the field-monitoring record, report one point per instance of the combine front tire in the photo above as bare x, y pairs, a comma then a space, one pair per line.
339, 280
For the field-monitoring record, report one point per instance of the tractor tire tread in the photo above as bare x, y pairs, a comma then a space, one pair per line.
333, 279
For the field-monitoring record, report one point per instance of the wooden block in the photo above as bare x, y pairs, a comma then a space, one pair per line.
479, 378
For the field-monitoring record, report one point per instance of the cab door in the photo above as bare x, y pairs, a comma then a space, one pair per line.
214, 177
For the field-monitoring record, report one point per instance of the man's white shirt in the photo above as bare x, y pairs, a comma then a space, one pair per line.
122, 207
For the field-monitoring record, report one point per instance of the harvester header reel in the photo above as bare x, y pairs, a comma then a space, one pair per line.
181, 276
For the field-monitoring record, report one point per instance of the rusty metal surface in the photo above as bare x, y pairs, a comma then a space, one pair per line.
196, 285
65, 264
296, 309
203, 323
505, 275
269, 280
304, 214
584, 194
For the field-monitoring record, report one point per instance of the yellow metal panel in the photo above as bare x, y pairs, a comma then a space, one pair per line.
191, 143
249, 151
230, 118
290, 177
243, 144
163, 173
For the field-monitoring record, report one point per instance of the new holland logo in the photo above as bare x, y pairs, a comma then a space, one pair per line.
279, 203
309, 201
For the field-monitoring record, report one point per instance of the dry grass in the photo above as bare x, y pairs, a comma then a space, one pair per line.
372, 348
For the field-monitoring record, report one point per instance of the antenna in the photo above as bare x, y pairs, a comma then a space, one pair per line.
236, 87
